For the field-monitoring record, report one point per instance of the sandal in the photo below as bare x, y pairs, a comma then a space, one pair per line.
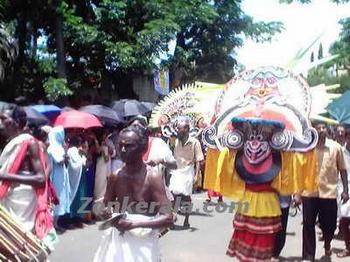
344, 253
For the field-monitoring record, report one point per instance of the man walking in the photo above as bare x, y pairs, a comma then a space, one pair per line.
139, 189
323, 203
188, 154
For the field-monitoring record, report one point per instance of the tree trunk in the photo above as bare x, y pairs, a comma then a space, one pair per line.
35, 43
177, 72
60, 52
22, 35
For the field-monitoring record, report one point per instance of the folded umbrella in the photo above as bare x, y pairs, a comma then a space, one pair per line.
129, 107
77, 119
107, 115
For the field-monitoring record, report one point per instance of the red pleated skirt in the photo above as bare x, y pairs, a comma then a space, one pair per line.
253, 238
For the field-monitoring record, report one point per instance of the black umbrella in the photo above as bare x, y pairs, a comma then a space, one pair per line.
6, 106
107, 115
129, 107
34, 117
149, 105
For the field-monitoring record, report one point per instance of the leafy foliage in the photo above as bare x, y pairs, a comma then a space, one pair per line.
8, 49
336, 71
106, 42
56, 87
309, 1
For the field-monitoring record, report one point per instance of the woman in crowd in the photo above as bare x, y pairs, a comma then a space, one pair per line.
59, 177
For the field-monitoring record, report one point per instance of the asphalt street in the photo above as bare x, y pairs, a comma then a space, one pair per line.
206, 240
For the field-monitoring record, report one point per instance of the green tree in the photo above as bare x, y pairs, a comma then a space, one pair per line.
83, 45
8, 46
342, 47
309, 1
205, 51
336, 71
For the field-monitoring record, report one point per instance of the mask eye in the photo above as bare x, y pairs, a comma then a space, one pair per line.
259, 137
251, 137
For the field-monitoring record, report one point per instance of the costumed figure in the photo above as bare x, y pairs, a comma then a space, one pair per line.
182, 114
191, 102
260, 142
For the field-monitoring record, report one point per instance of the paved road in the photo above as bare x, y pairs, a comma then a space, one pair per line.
205, 241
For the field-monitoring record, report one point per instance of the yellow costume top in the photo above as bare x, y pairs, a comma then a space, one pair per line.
297, 173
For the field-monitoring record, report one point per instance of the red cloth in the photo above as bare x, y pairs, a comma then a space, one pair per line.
146, 154
253, 238
43, 217
266, 187
212, 193
248, 247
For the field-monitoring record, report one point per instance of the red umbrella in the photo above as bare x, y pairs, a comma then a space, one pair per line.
77, 119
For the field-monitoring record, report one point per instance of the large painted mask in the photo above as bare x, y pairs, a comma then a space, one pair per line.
260, 113
266, 93
256, 161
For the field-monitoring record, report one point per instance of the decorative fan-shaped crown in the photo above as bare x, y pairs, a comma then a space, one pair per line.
194, 101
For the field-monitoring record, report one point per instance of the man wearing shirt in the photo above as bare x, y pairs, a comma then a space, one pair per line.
188, 154
323, 203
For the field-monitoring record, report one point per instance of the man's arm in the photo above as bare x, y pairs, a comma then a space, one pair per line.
167, 159
110, 193
168, 163
341, 166
199, 157
38, 177
344, 179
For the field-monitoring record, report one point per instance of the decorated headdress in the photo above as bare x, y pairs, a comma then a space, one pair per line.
193, 102
266, 93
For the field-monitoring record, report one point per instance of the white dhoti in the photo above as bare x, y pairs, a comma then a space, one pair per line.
21, 203
136, 245
181, 181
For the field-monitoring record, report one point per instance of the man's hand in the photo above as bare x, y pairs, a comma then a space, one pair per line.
297, 200
344, 197
123, 225
104, 214
155, 162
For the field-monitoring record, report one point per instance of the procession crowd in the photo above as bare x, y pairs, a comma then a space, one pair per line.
135, 162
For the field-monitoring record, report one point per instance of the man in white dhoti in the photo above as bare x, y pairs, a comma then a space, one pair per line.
140, 191
188, 155
22, 175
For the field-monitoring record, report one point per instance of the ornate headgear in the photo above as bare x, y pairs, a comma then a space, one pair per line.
193, 102
265, 94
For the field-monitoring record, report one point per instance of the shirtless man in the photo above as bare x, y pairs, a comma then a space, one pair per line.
141, 189
17, 189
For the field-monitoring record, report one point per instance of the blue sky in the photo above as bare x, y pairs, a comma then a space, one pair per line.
303, 23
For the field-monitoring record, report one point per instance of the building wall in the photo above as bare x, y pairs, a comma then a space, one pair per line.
143, 87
